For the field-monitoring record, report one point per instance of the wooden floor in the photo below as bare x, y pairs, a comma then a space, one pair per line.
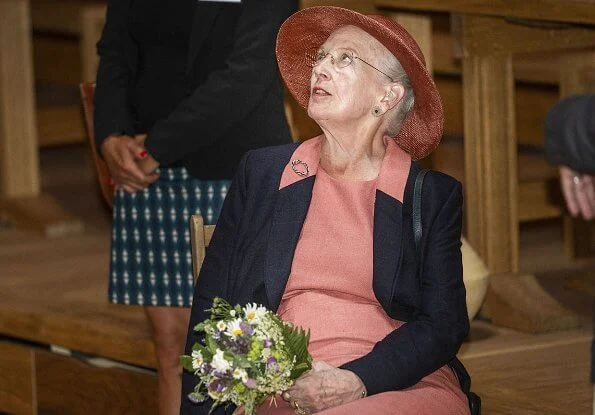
54, 287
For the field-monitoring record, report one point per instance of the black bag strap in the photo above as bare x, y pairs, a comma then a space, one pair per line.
417, 228
455, 364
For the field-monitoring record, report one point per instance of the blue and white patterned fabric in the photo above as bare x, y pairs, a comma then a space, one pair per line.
151, 261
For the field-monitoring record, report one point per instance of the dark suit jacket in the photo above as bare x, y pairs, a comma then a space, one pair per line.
570, 133
234, 99
250, 257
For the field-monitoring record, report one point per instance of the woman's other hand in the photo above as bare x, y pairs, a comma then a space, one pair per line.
323, 387
121, 154
579, 192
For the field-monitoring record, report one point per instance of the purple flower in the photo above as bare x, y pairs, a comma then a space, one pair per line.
218, 385
272, 364
268, 343
250, 383
246, 328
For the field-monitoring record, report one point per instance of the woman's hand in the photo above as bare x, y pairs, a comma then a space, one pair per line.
239, 411
121, 154
579, 192
148, 165
323, 387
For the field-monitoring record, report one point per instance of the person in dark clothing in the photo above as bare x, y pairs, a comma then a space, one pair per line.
184, 89
570, 145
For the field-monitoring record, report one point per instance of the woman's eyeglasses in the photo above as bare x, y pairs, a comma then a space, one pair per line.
344, 59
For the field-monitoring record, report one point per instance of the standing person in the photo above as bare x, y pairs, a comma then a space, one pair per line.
570, 145
196, 83
322, 232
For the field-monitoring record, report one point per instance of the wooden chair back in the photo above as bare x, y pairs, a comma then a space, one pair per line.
201, 235
103, 175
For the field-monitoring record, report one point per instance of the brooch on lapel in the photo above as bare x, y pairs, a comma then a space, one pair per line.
300, 167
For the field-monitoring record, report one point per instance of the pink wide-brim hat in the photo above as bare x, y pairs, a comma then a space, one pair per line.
304, 32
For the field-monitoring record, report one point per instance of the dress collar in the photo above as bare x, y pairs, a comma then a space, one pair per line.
391, 180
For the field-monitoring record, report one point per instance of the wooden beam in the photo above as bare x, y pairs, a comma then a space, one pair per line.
420, 27
491, 35
19, 163
491, 160
361, 6
572, 11
20, 198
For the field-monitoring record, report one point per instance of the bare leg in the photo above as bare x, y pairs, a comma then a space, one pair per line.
170, 325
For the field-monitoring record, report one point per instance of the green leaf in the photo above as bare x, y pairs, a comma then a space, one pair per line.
186, 362
296, 340
201, 326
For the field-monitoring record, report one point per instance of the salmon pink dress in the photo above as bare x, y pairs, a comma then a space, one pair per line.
329, 291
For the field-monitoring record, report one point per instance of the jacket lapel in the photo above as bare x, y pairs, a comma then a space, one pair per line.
204, 17
293, 201
288, 218
388, 231
388, 221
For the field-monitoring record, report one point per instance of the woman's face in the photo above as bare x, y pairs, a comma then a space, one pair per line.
350, 93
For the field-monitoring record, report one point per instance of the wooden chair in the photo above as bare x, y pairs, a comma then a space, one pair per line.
103, 175
201, 235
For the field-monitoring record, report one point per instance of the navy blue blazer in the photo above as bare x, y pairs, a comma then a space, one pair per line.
250, 257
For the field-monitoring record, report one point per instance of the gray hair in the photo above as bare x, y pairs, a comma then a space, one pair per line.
394, 69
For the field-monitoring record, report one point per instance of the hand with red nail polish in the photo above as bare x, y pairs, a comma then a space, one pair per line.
122, 155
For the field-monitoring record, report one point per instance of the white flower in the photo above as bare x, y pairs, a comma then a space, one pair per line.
232, 313
254, 313
219, 363
221, 326
240, 374
234, 329
197, 359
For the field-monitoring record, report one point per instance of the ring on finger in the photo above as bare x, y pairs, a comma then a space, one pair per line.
298, 410
577, 179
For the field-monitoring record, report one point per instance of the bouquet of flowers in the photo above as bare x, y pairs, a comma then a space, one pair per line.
246, 355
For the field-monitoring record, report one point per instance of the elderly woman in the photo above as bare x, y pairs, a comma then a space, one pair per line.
322, 232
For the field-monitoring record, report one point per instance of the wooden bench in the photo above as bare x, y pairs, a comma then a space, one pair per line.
62, 345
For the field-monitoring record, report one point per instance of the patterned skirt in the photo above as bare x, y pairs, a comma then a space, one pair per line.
151, 261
